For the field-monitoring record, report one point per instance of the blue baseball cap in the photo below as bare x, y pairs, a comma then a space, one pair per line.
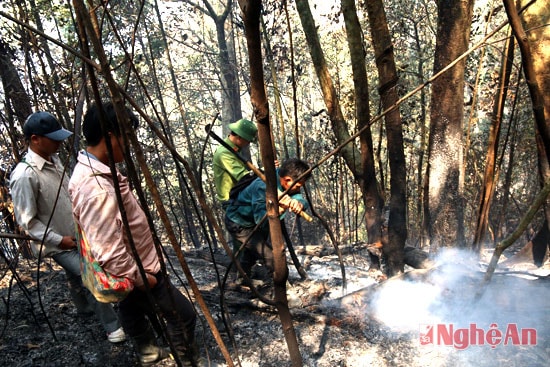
45, 124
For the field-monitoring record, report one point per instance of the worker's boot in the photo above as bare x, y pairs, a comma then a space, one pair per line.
148, 350
189, 354
192, 358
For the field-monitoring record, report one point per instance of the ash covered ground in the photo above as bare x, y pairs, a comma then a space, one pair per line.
372, 323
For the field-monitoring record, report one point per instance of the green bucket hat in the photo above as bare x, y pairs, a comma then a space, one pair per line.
245, 129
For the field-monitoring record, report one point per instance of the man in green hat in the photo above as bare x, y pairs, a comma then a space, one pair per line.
228, 169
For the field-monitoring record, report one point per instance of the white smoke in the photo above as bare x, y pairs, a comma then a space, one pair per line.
445, 294
419, 303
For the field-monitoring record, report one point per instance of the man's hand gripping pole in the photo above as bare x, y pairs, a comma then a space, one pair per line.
247, 163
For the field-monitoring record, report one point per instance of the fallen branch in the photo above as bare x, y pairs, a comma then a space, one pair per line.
507, 242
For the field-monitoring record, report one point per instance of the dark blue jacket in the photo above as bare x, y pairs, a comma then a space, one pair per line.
249, 208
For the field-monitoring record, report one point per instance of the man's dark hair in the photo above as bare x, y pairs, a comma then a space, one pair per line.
91, 126
294, 168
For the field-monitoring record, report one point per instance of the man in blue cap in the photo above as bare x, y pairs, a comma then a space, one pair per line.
39, 190
228, 169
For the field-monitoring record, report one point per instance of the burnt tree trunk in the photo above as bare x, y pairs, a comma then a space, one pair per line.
444, 202
535, 250
541, 242
387, 71
372, 197
251, 17
349, 152
17, 104
535, 58
489, 183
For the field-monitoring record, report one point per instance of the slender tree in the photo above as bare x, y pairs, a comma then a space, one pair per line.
251, 16
489, 183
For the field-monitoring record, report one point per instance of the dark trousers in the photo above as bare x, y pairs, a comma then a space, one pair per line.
257, 247
135, 311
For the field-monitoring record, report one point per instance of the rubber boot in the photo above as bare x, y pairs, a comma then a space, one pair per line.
189, 354
148, 351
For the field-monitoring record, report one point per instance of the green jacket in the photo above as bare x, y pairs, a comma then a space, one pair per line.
228, 169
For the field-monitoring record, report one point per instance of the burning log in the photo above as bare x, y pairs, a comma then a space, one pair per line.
417, 258
414, 257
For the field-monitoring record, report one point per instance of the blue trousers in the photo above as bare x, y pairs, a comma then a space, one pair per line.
82, 298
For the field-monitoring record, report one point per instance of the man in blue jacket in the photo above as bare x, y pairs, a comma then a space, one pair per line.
249, 209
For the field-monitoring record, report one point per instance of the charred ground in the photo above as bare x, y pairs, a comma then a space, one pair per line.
332, 330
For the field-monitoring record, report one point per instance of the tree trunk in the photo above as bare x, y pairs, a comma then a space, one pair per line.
444, 200
350, 153
229, 69
541, 243
500, 222
51, 76
231, 99
17, 103
535, 60
423, 136
534, 47
489, 183
372, 198
175, 86
385, 62
251, 16
534, 251
227, 62
278, 120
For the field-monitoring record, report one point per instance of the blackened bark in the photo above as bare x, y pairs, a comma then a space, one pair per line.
251, 16
444, 196
16, 99
489, 183
387, 71
372, 197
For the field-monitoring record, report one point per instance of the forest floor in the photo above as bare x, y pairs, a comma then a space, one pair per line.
373, 323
